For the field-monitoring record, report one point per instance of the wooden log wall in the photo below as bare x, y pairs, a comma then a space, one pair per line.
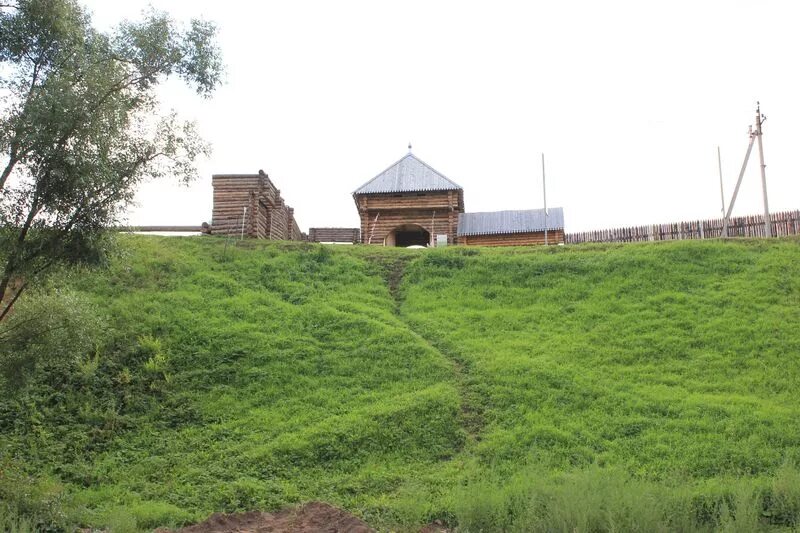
262, 221
278, 222
389, 220
231, 195
352, 235
406, 201
435, 211
783, 224
162, 229
267, 215
513, 239
294, 230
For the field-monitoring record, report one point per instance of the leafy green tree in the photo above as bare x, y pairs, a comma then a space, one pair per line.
80, 127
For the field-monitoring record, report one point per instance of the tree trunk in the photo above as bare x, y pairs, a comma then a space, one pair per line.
7, 171
4, 312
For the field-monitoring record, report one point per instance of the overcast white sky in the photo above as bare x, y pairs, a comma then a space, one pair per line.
627, 99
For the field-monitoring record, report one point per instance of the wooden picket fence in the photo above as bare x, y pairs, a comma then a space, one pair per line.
783, 224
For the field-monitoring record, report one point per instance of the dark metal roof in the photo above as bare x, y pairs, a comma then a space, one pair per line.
409, 174
498, 222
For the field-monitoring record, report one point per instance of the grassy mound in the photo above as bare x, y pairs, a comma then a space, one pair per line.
578, 388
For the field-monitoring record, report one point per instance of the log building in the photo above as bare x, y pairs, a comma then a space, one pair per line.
511, 228
407, 204
252, 205
410, 203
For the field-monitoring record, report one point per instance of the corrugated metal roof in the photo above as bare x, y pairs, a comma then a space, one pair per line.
409, 174
497, 222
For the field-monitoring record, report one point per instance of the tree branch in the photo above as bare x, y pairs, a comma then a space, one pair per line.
12, 161
11, 303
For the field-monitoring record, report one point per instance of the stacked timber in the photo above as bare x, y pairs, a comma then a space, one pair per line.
782, 224
251, 205
278, 221
262, 220
161, 229
233, 196
294, 231
351, 235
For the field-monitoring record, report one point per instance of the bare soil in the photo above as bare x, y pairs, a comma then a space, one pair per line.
314, 517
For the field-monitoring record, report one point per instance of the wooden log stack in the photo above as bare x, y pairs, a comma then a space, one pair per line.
162, 229
251, 205
350, 235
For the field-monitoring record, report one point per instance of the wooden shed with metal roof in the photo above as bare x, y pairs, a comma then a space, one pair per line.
407, 204
512, 228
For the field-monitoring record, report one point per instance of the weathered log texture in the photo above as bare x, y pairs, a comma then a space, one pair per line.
352, 235
164, 229
250, 204
513, 239
434, 211
427, 200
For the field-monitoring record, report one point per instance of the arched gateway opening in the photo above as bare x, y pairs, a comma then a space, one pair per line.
408, 235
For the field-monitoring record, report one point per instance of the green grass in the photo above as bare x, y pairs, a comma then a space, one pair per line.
671, 359
590, 388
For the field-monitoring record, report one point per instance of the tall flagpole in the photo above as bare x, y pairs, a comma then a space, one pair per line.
544, 195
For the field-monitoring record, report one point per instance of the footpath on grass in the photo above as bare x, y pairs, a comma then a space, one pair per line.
471, 415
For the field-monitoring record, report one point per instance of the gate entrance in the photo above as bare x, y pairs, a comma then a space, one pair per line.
408, 235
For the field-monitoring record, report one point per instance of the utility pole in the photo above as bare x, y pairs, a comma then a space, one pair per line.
722, 196
752, 135
544, 195
760, 119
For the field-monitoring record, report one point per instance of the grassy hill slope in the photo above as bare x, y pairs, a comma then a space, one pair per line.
578, 388
678, 363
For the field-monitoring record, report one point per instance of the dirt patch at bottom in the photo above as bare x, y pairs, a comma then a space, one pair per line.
314, 517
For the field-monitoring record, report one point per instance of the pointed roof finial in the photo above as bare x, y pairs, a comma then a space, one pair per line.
409, 147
